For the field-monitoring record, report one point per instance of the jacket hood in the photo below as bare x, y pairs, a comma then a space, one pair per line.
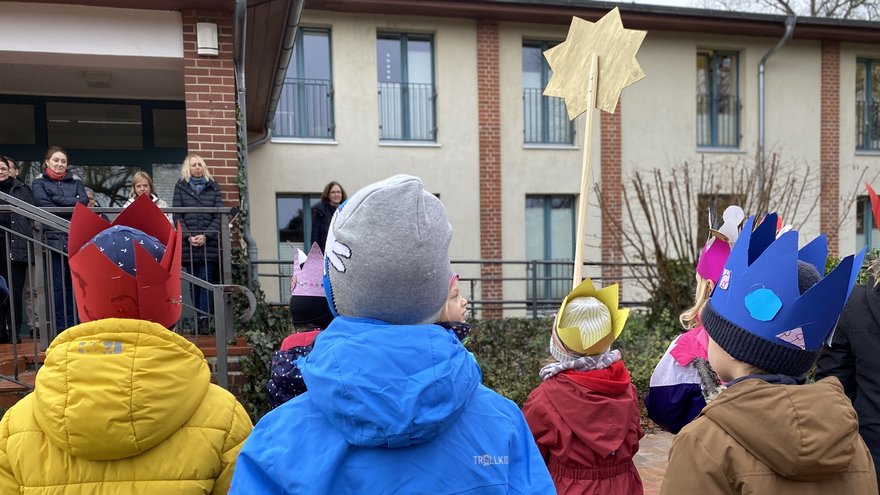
114, 388
804, 436
608, 390
383, 385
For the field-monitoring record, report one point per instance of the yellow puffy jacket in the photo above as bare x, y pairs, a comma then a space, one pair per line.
122, 407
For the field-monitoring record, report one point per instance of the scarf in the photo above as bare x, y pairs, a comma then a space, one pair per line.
583, 363
710, 384
6, 185
54, 176
198, 183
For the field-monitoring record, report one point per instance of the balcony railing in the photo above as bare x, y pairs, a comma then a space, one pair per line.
305, 109
406, 112
718, 121
545, 120
868, 125
541, 284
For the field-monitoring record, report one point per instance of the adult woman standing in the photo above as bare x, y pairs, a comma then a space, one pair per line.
57, 187
322, 212
201, 252
16, 229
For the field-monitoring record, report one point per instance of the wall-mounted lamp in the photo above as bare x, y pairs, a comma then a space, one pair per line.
206, 39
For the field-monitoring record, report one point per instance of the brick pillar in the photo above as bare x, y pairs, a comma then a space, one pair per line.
612, 193
490, 166
209, 86
829, 140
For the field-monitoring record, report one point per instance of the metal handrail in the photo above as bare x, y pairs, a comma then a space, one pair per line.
47, 218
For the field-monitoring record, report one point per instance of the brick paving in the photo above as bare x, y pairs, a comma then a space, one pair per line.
651, 460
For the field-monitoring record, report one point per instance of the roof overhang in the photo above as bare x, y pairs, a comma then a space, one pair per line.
635, 16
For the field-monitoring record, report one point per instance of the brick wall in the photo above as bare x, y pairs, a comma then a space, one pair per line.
490, 165
209, 84
830, 145
612, 191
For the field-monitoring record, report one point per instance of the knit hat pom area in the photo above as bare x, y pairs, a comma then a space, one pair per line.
387, 253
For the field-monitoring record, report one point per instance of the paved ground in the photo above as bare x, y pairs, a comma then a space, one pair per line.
651, 460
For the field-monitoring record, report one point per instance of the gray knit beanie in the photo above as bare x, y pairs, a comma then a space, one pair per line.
387, 253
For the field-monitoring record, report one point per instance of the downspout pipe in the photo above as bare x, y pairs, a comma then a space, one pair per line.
790, 22
293, 19
238, 59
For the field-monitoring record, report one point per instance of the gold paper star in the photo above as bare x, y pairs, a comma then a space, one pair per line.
618, 67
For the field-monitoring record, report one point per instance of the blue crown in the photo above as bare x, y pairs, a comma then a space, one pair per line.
758, 294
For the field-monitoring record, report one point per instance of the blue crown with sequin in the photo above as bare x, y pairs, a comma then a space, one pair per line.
757, 312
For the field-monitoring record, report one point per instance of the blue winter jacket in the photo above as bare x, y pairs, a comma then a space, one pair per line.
391, 409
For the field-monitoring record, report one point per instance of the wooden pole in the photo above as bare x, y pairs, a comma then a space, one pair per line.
583, 198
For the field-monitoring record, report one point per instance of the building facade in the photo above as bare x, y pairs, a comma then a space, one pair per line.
453, 94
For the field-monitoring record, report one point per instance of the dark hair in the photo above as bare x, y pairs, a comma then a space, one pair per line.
7, 160
52, 150
325, 196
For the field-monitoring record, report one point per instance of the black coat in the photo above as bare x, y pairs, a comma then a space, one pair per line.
322, 213
207, 224
854, 358
21, 225
66, 192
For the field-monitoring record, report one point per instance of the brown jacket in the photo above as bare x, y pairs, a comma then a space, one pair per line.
762, 438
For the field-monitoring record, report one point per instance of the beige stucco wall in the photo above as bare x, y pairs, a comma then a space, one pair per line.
659, 117
856, 167
356, 158
658, 122
532, 169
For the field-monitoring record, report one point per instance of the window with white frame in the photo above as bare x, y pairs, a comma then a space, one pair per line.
550, 233
294, 218
866, 228
405, 69
305, 107
868, 104
545, 120
718, 103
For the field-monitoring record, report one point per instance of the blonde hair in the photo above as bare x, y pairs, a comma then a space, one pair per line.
690, 317
185, 173
141, 176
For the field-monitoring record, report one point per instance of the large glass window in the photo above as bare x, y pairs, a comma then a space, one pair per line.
868, 104
305, 108
545, 120
17, 124
95, 125
294, 216
405, 69
718, 99
550, 232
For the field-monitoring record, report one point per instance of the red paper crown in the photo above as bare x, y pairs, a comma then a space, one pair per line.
103, 290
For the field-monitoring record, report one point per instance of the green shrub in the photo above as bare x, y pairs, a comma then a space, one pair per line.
862, 278
674, 292
511, 351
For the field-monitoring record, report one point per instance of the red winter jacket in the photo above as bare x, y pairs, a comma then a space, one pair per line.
586, 425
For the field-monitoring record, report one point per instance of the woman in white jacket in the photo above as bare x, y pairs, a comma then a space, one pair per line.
142, 184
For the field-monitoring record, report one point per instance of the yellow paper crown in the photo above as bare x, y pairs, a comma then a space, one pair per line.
571, 336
